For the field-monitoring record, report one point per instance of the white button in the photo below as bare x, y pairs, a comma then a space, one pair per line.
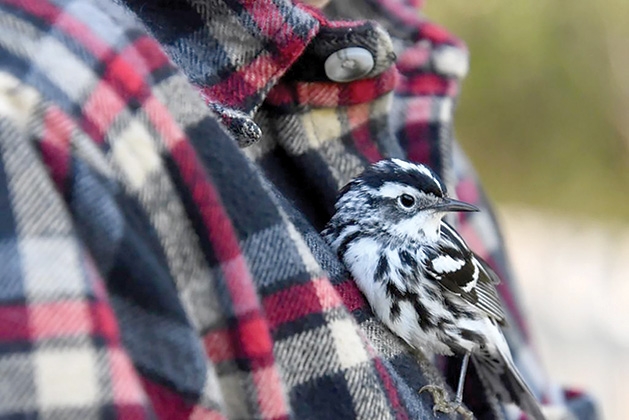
348, 64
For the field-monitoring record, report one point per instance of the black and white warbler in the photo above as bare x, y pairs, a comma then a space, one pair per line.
420, 277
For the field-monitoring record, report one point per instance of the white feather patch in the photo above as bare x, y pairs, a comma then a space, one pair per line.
447, 264
412, 166
469, 286
395, 189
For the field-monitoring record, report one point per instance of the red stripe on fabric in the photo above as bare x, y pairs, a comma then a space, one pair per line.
166, 126
202, 413
418, 115
258, 73
100, 110
298, 301
55, 144
256, 342
231, 92
131, 412
572, 393
267, 16
218, 346
239, 280
418, 147
59, 319
248, 339
360, 91
419, 109
127, 391
318, 95
328, 296
216, 220
277, 27
328, 94
291, 304
270, 394
42, 10
104, 320
283, 94
125, 78
351, 296
466, 191
436, 34
427, 84
166, 403
227, 93
365, 90
14, 323
414, 58
391, 390
82, 33
364, 141
145, 54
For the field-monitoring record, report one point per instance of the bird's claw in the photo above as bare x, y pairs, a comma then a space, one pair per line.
442, 404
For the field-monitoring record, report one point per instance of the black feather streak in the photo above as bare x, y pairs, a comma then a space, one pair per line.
382, 268
395, 311
408, 260
345, 243
471, 336
458, 311
431, 293
424, 318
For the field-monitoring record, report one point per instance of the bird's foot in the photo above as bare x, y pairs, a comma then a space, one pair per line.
442, 404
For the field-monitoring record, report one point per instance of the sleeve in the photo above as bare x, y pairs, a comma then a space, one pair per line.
153, 271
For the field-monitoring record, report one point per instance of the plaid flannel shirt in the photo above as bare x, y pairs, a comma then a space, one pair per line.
151, 268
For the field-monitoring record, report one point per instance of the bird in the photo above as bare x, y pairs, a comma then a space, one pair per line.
420, 277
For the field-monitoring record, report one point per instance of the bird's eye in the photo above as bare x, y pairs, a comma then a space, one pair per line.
405, 200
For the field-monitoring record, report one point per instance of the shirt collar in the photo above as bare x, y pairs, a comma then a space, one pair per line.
236, 51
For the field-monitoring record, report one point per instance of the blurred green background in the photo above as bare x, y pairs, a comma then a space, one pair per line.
544, 112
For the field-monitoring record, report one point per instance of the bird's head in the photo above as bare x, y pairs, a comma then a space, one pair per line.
399, 198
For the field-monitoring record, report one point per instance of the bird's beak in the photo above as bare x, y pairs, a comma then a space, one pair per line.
452, 205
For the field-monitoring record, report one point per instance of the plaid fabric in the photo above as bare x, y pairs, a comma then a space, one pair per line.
153, 269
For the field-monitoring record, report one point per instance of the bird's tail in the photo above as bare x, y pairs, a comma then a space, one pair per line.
499, 374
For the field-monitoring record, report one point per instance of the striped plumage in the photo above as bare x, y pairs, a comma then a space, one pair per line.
419, 276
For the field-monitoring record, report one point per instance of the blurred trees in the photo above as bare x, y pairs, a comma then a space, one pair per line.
544, 112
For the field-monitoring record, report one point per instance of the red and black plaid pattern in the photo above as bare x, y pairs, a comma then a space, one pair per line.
153, 269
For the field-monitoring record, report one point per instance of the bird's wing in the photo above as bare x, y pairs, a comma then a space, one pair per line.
455, 267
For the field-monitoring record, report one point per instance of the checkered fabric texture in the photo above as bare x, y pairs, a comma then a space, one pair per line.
151, 268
